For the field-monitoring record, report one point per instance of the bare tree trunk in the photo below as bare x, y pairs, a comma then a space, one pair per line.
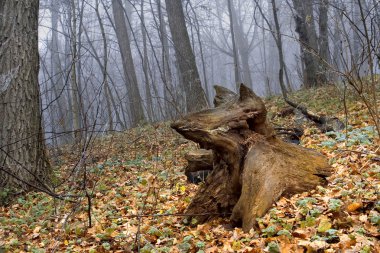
195, 95
82, 114
324, 52
276, 33
234, 49
73, 71
137, 111
123, 122
57, 74
304, 26
148, 94
278, 39
242, 45
107, 91
197, 29
337, 42
170, 96
23, 161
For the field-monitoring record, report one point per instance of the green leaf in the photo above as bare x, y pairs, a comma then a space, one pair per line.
184, 247
335, 204
324, 225
269, 231
284, 232
273, 247
106, 245
305, 201
187, 238
154, 231
375, 220
200, 245
329, 143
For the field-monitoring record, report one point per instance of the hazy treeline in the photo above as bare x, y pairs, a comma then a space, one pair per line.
111, 64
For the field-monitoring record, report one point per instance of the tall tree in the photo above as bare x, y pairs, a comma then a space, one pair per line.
22, 152
169, 95
308, 40
145, 63
60, 124
75, 90
242, 42
323, 39
195, 95
104, 66
136, 108
234, 48
276, 33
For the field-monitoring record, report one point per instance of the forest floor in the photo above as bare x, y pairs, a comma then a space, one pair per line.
138, 186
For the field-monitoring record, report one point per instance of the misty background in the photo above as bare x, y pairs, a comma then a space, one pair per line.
88, 83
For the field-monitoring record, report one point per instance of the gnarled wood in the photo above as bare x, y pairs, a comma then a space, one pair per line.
200, 159
252, 168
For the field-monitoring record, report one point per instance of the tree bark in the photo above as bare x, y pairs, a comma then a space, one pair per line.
135, 103
324, 52
195, 95
170, 96
242, 45
75, 97
234, 48
278, 39
23, 162
276, 34
306, 30
145, 63
57, 77
252, 168
104, 67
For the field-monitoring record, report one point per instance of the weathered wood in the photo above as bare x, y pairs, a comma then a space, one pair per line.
199, 165
252, 168
197, 160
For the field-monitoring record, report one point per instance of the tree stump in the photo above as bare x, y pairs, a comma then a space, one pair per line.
252, 168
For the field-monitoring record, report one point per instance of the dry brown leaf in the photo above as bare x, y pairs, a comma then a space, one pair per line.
354, 206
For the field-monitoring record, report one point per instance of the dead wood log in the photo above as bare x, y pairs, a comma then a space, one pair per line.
324, 123
252, 168
292, 135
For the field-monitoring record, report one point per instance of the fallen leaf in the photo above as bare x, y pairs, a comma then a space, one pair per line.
324, 225
354, 206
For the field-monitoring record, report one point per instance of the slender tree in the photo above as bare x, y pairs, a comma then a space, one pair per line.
234, 48
75, 90
323, 39
136, 108
195, 95
22, 152
307, 36
60, 122
276, 33
242, 42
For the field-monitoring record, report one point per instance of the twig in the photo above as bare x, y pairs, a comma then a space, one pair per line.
174, 214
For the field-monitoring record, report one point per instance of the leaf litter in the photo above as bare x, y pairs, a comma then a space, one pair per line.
139, 192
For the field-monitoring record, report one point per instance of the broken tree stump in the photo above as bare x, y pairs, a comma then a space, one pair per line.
252, 168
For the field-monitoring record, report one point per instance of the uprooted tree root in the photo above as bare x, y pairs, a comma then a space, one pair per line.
252, 168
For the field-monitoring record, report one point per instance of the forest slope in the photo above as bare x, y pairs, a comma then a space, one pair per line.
138, 187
